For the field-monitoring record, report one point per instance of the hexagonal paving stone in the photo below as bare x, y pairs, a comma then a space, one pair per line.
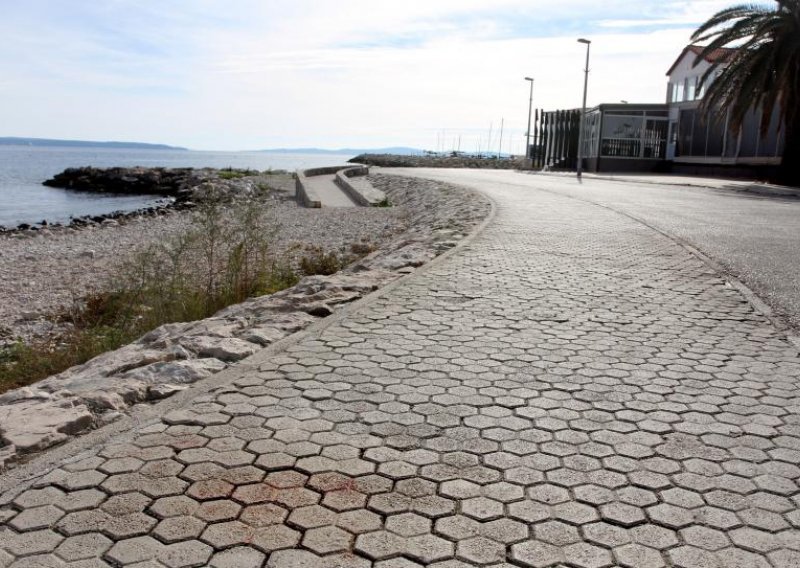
36, 518
269, 539
704, 537
670, 516
359, 521
380, 544
132, 550
584, 555
638, 556
480, 550
557, 533
428, 548
311, 516
84, 546
533, 554
186, 553
174, 529
482, 508
622, 514
344, 500
324, 540
574, 513
408, 524
548, 494
238, 557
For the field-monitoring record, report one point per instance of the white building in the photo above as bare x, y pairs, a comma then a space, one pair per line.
703, 141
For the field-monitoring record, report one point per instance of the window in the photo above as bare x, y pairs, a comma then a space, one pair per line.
634, 135
678, 92
691, 85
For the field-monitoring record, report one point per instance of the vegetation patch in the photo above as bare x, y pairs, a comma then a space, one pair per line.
225, 257
231, 173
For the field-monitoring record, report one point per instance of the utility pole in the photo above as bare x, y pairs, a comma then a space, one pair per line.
583, 111
528, 134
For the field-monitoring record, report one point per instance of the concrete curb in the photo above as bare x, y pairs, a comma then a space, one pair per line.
359, 189
24, 474
723, 184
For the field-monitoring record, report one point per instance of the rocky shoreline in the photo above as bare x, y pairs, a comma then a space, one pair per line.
180, 188
454, 160
427, 219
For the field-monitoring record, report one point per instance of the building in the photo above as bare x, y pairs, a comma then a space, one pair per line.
674, 136
703, 143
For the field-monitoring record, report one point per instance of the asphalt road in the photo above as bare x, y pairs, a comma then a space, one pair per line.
755, 238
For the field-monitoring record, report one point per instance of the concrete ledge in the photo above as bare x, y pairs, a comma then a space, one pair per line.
360, 190
303, 192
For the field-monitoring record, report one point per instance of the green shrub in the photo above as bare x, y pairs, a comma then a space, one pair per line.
222, 259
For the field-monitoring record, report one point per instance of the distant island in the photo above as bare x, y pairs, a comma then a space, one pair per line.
398, 151
16, 141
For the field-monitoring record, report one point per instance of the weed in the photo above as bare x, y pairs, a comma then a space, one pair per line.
222, 259
231, 173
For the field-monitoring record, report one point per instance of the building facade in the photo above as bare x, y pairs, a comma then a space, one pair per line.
674, 136
706, 141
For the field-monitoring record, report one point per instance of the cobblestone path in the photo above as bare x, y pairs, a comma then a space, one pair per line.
569, 389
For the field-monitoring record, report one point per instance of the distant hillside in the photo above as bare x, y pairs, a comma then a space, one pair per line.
398, 151
14, 141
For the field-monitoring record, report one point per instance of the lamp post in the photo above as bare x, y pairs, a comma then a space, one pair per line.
530, 109
583, 111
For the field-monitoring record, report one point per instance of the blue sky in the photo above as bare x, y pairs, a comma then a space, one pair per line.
247, 74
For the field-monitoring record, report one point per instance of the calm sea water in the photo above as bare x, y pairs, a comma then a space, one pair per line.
23, 198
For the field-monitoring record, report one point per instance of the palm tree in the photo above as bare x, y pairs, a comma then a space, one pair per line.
763, 71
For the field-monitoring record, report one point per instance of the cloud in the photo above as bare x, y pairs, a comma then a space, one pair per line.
351, 73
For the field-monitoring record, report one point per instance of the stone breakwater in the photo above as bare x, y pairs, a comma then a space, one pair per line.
173, 356
181, 188
434, 161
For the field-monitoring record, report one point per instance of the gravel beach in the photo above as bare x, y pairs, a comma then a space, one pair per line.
43, 273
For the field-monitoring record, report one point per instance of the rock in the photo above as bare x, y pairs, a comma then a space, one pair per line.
86, 254
176, 372
263, 335
23, 393
224, 349
34, 425
157, 392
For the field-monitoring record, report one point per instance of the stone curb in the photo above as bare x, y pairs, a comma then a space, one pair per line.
25, 473
741, 187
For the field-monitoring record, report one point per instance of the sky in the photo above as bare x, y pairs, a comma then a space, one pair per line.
252, 74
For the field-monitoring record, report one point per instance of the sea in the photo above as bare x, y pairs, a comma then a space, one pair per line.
23, 198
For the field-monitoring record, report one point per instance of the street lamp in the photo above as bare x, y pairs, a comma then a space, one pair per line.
530, 107
583, 111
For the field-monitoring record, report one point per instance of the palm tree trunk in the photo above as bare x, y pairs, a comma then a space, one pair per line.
789, 172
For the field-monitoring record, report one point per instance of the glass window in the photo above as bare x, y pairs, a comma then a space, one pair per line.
678, 92
691, 88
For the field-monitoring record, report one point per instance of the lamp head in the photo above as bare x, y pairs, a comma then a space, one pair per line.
529, 78
586, 41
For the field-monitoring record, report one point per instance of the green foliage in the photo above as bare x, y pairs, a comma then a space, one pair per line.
762, 70
230, 173
317, 261
222, 259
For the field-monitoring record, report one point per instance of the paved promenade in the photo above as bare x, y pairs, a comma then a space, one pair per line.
571, 388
